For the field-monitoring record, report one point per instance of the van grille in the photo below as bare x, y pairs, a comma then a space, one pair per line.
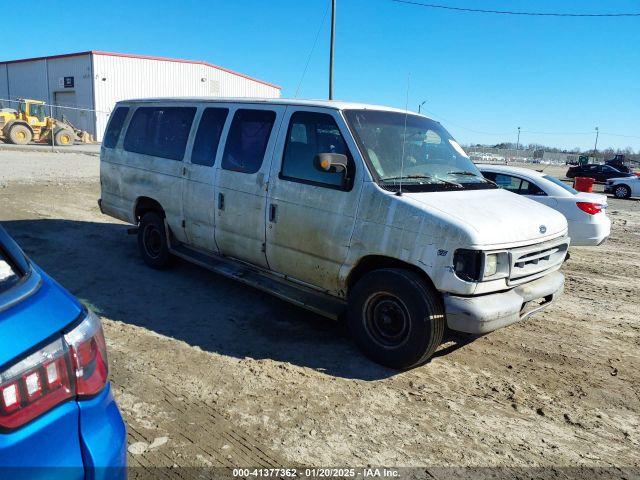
531, 262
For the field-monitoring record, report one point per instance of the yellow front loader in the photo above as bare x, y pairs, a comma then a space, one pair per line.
30, 123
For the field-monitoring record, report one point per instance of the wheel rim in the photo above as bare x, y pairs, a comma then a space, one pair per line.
22, 136
64, 139
386, 320
152, 241
621, 192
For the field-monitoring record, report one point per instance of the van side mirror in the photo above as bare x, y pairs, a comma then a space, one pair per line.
331, 162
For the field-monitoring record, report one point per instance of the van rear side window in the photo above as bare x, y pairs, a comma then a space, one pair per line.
207, 139
115, 127
160, 131
247, 140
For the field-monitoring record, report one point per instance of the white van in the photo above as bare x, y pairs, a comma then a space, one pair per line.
354, 211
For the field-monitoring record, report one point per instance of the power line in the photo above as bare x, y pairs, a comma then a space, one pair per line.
312, 49
619, 135
533, 132
496, 134
557, 133
510, 12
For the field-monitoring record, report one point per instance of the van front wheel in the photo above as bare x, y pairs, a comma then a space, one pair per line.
152, 241
396, 318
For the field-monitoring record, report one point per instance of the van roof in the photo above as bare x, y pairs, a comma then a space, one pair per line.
335, 104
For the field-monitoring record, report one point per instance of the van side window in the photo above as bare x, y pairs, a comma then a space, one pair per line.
160, 131
247, 140
309, 134
112, 134
207, 139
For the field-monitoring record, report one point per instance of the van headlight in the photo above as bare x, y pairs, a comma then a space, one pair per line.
477, 266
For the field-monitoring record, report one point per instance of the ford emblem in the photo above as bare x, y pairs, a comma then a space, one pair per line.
543, 229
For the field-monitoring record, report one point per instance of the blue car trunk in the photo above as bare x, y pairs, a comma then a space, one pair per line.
33, 308
34, 311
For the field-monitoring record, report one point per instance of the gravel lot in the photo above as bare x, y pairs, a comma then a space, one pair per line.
208, 372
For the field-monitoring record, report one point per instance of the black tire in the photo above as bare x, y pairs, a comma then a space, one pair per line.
20, 135
64, 138
621, 191
396, 318
152, 241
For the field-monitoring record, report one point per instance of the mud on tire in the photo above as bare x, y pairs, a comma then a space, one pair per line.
396, 318
20, 135
63, 138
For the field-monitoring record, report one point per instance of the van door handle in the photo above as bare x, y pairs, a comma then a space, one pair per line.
221, 201
273, 210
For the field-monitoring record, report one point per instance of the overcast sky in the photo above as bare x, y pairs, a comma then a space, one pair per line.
481, 75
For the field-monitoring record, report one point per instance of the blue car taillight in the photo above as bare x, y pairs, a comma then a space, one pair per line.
75, 365
35, 385
89, 356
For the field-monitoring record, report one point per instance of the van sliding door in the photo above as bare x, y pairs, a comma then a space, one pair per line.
199, 193
242, 181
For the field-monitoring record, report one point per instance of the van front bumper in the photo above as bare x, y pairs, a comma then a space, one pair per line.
485, 313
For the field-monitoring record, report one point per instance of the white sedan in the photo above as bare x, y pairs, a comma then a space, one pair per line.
585, 212
623, 187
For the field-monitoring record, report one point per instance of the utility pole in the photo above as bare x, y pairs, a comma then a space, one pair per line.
595, 147
420, 106
333, 35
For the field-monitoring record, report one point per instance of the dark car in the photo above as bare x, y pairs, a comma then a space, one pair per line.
600, 173
618, 165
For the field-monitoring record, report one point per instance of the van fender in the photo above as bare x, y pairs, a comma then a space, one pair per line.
352, 272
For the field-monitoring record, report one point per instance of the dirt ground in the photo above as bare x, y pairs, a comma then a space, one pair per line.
208, 372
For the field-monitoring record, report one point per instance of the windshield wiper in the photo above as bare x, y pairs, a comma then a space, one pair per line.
471, 174
405, 176
428, 177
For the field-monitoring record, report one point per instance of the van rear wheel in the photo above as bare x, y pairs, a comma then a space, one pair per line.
396, 318
152, 241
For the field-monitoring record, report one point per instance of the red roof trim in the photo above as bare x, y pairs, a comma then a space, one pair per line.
144, 57
51, 57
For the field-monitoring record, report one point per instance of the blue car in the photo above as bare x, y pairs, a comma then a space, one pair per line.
58, 418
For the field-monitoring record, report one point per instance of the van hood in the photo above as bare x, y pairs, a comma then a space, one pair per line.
494, 217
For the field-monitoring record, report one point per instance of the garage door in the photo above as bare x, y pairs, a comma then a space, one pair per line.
78, 118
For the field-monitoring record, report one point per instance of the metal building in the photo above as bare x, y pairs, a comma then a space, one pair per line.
96, 80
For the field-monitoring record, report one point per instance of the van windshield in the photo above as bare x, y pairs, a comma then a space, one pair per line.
433, 160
